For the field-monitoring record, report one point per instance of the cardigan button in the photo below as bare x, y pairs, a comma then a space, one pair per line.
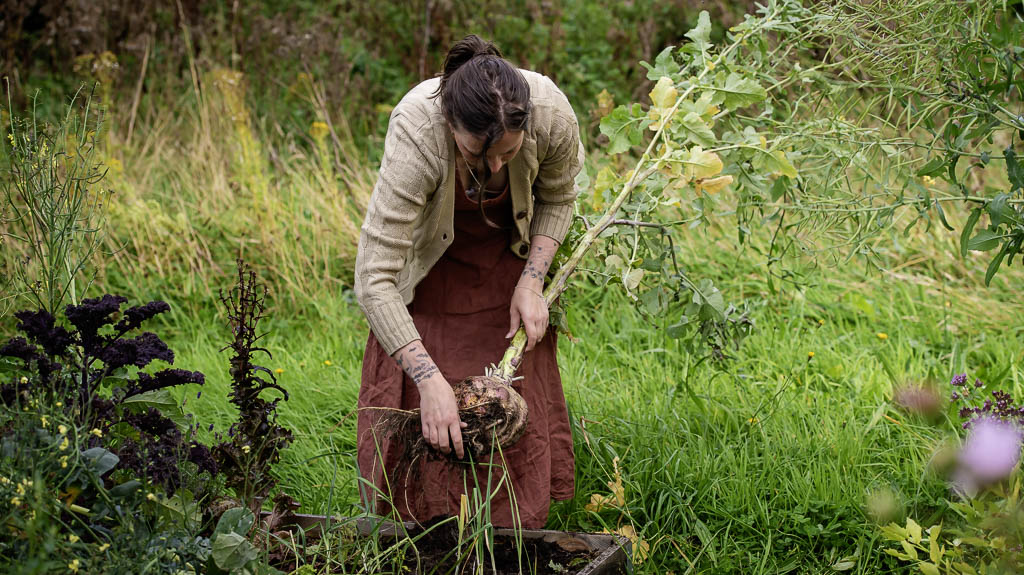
521, 214
523, 249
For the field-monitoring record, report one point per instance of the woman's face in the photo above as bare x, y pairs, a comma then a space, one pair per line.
500, 153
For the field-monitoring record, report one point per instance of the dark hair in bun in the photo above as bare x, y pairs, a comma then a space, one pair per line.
481, 92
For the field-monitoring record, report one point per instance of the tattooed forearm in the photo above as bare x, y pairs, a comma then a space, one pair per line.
416, 362
540, 259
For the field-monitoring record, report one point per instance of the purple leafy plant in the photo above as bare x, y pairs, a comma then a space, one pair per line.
68, 366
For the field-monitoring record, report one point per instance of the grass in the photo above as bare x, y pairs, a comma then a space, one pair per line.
762, 466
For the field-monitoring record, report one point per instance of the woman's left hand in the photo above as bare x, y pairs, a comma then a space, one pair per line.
529, 308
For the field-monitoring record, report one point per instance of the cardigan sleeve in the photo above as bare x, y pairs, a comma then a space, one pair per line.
554, 187
406, 177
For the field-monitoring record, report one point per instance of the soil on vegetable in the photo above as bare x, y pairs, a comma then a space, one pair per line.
437, 553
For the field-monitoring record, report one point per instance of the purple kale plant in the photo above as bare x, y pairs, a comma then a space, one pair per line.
69, 366
1000, 405
255, 440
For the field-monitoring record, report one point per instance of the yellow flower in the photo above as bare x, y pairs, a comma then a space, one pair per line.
151, 496
4, 480
97, 432
74, 565
279, 371
62, 429
810, 354
44, 421
15, 501
327, 362
246, 449
318, 131
63, 444
73, 538
927, 180
821, 322
882, 336
59, 404
64, 462
104, 547
711, 65
24, 380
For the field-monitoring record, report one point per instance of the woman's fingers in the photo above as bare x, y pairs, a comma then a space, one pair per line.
456, 434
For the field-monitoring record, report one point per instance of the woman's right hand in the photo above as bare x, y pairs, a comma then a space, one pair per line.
440, 416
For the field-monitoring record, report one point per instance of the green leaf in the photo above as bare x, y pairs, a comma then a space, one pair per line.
623, 128
740, 91
774, 162
232, 551
631, 279
1014, 169
100, 460
1000, 211
161, 400
932, 167
914, 530
678, 330
993, 266
701, 39
779, 188
664, 65
984, 241
237, 520
694, 129
909, 549
928, 568
125, 489
965, 235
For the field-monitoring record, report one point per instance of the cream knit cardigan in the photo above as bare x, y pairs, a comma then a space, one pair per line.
409, 220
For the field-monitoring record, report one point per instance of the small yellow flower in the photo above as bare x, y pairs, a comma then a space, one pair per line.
15, 501
711, 65
882, 336
62, 429
327, 362
279, 371
64, 462
74, 565
821, 322
927, 180
73, 538
246, 449
151, 496
104, 547
810, 354
24, 380
44, 421
64, 444
318, 131
59, 404
4, 480
97, 432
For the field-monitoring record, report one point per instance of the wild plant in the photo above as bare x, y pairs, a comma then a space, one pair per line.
53, 207
255, 441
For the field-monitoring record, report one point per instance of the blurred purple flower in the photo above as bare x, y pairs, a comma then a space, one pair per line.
989, 455
958, 380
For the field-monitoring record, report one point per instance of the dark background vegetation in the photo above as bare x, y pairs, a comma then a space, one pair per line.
366, 53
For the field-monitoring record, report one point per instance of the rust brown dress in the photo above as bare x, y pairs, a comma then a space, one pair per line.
461, 310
